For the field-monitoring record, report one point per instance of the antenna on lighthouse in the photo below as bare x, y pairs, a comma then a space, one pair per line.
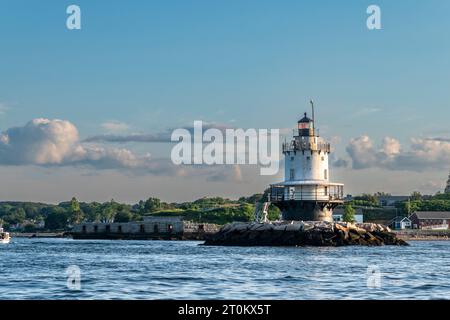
312, 107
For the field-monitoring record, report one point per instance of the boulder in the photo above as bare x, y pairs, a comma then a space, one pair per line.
280, 228
264, 227
294, 227
240, 226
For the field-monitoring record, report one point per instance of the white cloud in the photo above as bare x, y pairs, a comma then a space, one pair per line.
339, 163
226, 173
115, 126
45, 142
362, 152
430, 186
3, 108
366, 111
391, 146
56, 142
423, 154
163, 136
40, 141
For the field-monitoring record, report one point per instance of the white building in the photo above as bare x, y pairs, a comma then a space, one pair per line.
306, 192
400, 223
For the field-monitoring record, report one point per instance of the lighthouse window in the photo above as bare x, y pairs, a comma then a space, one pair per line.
292, 174
323, 158
292, 158
325, 174
326, 191
308, 158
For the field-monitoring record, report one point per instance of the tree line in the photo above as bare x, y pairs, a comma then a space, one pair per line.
415, 202
30, 216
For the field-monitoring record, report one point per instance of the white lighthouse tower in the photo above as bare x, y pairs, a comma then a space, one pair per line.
306, 192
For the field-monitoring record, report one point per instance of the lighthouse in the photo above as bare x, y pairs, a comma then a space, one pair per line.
306, 193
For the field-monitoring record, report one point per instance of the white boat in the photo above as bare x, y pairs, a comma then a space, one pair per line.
4, 236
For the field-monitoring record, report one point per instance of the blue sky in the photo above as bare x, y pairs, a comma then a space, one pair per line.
156, 65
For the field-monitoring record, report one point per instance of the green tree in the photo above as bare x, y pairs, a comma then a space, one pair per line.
140, 207
74, 205
76, 215
257, 197
152, 205
381, 194
15, 216
29, 228
416, 195
409, 207
373, 199
31, 210
56, 219
123, 216
107, 213
91, 211
246, 212
349, 213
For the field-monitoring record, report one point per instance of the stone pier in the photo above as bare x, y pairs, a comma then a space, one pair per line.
304, 233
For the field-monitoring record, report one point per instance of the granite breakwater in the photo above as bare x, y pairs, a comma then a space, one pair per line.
304, 233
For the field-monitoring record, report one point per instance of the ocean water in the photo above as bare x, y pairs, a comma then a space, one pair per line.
36, 269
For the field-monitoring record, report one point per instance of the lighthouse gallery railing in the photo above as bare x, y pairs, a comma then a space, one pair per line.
318, 193
297, 145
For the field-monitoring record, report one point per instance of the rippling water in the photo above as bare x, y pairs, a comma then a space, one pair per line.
36, 269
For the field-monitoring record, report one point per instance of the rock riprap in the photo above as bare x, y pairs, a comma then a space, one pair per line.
304, 233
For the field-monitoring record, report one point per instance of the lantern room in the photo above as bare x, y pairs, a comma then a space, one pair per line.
306, 126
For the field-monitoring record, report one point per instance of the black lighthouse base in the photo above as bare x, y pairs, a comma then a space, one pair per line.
306, 210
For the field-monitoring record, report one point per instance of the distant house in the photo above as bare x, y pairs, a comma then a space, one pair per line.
348, 198
400, 223
23, 224
389, 201
430, 220
40, 224
339, 212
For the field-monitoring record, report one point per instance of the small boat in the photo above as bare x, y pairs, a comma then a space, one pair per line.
4, 236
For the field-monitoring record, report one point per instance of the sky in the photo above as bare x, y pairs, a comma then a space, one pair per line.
137, 70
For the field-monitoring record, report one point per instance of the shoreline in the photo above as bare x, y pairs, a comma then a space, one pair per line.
423, 235
416, 235
37, 234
